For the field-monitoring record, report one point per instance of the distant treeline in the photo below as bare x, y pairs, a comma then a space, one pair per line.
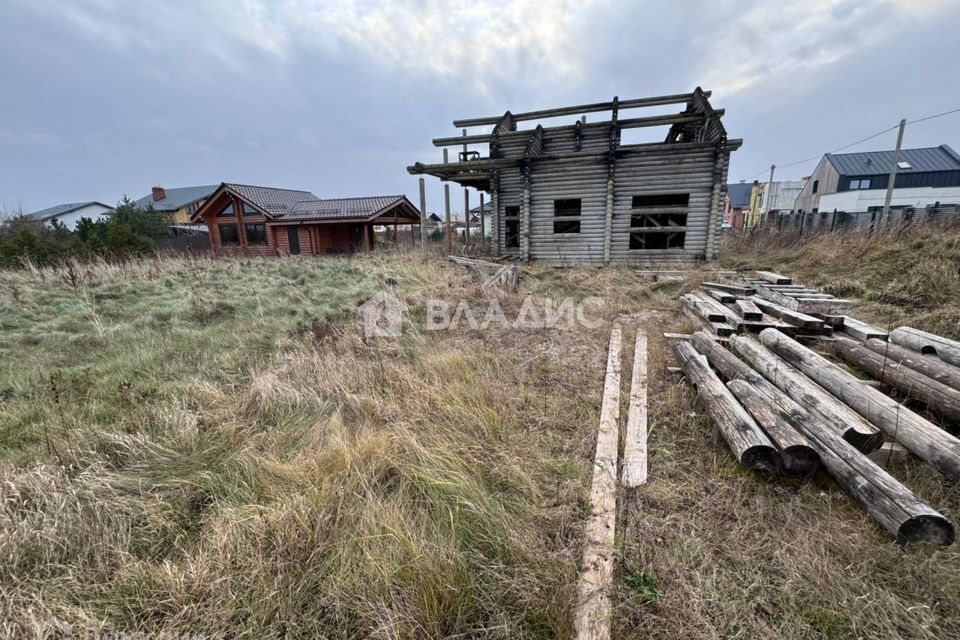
129, 230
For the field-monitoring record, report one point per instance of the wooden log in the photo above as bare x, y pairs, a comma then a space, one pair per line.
851, 426
795, 318
775, 278
676, 336
928, 343
795, 450
937, 396
592, 617
703, 310
861, 330
720, 296
804, 305
928, 365
634, 471
748, 309
729, 288
749, 444
728, 315
833, 320
893, 506
917, 434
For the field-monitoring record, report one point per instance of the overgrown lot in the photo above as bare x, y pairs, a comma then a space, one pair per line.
211, 447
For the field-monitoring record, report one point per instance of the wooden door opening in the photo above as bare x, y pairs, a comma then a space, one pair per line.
293, 237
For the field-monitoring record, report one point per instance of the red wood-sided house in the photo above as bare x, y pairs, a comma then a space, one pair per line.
266, 221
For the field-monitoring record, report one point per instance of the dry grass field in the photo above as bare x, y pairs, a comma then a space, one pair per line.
210, 447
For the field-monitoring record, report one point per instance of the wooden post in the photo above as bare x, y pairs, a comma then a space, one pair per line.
920, 436
495, 205
892, 178
592, 617
766, 212
423, 218
483, 219
466, 201
448, 235
635, 441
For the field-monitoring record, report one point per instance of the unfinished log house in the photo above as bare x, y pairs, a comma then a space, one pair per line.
575, 194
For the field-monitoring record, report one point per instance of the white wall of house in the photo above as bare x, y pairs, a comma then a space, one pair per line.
93, 211
856, 201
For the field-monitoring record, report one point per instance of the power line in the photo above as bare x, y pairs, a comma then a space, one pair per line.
853, 144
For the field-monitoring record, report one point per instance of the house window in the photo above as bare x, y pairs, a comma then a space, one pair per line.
657, 241
229, 234
249, 211
566, 216
659, 221
256, 233
511, 219
227, 211
816, 186
903, 164
859, 185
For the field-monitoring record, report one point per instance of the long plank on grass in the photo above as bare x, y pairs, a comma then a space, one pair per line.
592, 619
774, 278
635, 442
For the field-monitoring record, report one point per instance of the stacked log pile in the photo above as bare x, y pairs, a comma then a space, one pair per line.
788, 409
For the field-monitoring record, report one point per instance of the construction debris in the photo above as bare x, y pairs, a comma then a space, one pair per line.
492, 274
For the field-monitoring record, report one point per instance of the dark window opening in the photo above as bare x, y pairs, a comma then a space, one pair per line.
511, 212
566, 226
859, 185
227, 211
655, 220
249, 211
654, 241
256, 233
229, 234
512, 228
816, 186
569, 207
662, 200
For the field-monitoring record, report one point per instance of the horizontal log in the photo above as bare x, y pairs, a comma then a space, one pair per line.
861, 330
774, 278
919, 435
795, 450
938, 397
729, 288
929, 365
847, 423
893, 506
749, 444
928, 343
795, 318
748, 310
719, 296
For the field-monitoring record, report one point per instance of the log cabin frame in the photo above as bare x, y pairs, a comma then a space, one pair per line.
575, 194
267, 221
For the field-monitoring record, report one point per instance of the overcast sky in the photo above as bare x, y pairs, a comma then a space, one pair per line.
104, 97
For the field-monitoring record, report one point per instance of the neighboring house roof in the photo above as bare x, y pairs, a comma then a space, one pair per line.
739, 194
177, 198
60, 209
487, 207
929, 159
295, 204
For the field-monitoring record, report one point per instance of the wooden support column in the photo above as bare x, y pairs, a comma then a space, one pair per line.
396, 234
495, 205
423, 218
715, 216
466, 201
525, 213
447, 232
611, 173
483, 219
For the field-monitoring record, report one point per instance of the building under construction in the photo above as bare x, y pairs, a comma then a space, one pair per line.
575, 194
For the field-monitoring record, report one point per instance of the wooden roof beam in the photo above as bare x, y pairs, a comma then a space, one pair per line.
456, 141
582, 108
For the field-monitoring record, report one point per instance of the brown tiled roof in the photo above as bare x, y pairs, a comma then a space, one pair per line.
274, 201
291, 204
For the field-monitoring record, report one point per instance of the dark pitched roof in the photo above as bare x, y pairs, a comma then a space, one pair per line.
334, 208
60, 209
177, 197
929, 159
274, 201
739, 194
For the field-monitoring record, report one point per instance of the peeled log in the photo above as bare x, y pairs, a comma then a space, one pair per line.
798, 456
923, 438
796, 452
893, 505
752, 448
927, 365
928, 343
937, 396
844, 420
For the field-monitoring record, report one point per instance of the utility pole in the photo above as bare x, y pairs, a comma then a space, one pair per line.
448, 236
893, 174
766, 213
